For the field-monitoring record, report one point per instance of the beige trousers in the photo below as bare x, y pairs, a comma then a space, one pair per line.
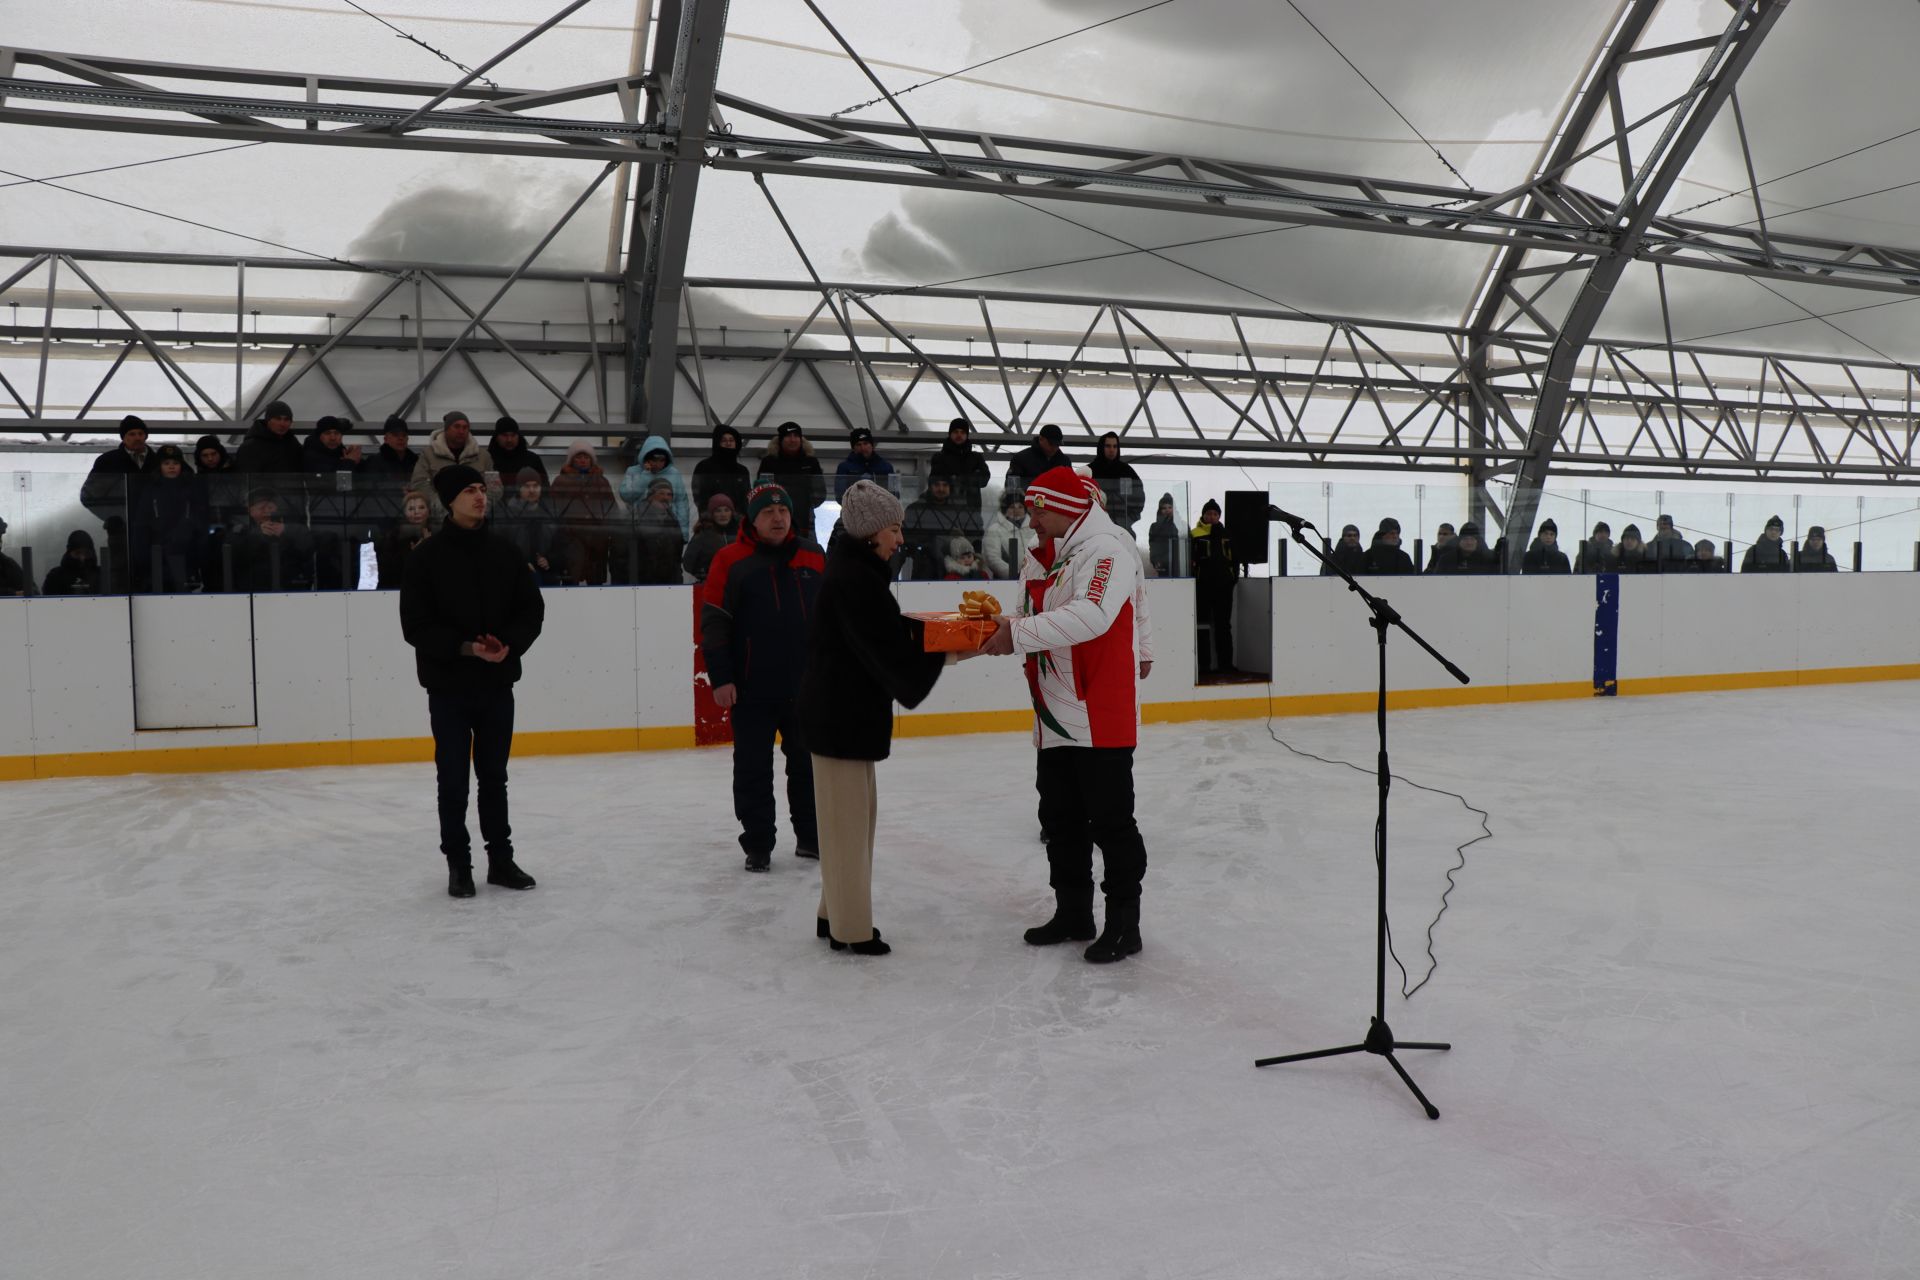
846, 806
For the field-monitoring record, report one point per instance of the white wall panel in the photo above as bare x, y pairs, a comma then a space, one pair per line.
80, 662
663, 646
385, 699
192, 661
580, 673
16, 691
1550, 632
300, 662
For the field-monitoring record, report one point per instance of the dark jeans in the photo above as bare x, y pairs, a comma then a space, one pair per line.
476, 725
754, 724
1086, 799
1215, 606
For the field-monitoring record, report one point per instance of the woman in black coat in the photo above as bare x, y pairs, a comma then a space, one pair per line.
862, 657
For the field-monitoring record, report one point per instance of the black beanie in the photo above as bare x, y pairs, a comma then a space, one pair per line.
1389, 525
1777, 523
1051, 434
397, 423
449, 482
130, 423
506, 424
1548, 526
277, 409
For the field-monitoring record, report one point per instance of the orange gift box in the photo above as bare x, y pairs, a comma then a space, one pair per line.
953, 633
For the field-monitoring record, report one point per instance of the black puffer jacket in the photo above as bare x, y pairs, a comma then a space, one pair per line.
862, 657
263, 453
721, 472
459, 585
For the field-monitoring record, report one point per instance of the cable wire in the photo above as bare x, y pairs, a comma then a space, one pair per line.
423, 44
132, 164
1065, 35
1844, 155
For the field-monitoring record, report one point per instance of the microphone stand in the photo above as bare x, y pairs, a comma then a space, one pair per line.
1379, 1039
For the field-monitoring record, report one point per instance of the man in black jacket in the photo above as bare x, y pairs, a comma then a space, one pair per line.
512, 455
1038, 458
112, 488
1386, 555
722, 472
965, 470
469, 607
271, 448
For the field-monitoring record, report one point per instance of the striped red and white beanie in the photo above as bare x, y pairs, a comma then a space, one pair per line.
1059, 489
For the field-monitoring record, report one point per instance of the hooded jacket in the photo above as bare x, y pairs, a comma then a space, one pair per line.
73, 576
1079, 635
1767, 557
708, 540
263, 453
799, 475
755, 609
721, 472
439, 455
459, 585
964, 469
1383, 559
1163, 541
658, 541
1349, 556
511, 462
862, 657
1120, 483
634, 485
583, 504
1631, 559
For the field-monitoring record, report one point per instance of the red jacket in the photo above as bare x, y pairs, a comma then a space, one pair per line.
755, 609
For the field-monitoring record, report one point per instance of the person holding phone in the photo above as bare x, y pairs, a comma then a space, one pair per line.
469, 607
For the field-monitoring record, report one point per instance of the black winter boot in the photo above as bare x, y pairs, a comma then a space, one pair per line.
822, 931
1121, 937
759, 862
807, 851
871, 947
508, 875
1072, 921
459, 880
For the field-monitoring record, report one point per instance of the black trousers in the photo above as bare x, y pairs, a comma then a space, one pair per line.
1214, 601
754, 725
1086, 799
476, 726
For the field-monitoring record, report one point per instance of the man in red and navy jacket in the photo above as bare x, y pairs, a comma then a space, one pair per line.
755, 608
1076, 630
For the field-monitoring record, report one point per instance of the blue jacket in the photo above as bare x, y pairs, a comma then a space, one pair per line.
855, 468
633, 485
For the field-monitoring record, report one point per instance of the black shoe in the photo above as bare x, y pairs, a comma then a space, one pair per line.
807, 851
822, 931
871, 947
508, 875
460, 882
1066, 926
759, 862
1116, 942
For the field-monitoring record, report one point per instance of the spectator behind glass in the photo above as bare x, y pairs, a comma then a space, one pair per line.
931, 522
790, 464
863, 462
452, 445
1813, 556
326, 449
1545, 555
718, 526
511, 454
13, 579
1214, 575
1631, 555
1669, 550
656, 467
169, 516
273, 553
111, 488
1769, 554
527, 522
1347, 553
965, 471
1041, 456
78, 573
409, 531
722, 472
394, 460
1596, 553
963, 562
1472, 555
1443, 556
1164, 540
657, 530
271, 448
1386, 556
1008, 538
1705, 560
585, 509
1126, 497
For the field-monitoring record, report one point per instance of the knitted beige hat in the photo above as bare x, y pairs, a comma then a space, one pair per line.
866, 509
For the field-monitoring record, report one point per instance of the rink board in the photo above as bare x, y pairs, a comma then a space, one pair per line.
332, 681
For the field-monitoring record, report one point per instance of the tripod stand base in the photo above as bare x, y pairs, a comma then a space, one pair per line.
1379, 1040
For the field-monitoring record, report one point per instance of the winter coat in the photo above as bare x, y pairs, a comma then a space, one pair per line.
381, 481
1766, 557
1444, 557
459, 585
1821, 561
1481, 560
13, 579
438, 456
862, 657
384, 463
964, 469
1541, 558
800, 476
263, 453
584, 505
110, 487
1078, 633
392, 549
170, 514
317, 459
254, 554
721, 472
73, 575
1030, 464
1163, 544
1126, 497
707, 542
657, 533
1597, 556
511, 462
1212, 553
1669, 552
854, 467
929, 525
1632, 559
755, 609
528, 526
1383, 559
1351, 558
634, 485
1005, 544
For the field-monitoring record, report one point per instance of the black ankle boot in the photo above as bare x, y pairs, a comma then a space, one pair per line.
1121, 937
871, 947
1072, 921
824, 932
459, 881
508, 875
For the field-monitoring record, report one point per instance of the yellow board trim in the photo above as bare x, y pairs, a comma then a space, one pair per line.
302, 755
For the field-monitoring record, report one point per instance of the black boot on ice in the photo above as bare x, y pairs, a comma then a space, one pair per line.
508, 875
459, 881
1072, 921
1121, 937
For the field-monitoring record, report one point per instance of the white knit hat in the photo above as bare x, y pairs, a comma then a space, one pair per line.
866, 509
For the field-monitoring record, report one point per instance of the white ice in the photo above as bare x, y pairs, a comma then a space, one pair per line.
246, 1034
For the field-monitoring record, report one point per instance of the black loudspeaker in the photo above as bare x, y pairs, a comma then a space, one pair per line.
1247, 525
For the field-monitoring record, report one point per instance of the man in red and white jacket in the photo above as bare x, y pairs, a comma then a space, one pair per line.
1076, 631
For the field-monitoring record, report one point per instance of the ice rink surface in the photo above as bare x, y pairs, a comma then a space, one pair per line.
246, 1034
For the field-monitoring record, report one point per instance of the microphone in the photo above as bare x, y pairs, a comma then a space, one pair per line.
1296, 523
